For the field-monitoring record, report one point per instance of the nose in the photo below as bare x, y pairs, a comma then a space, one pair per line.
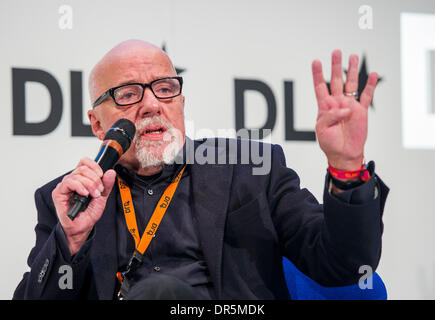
150, 105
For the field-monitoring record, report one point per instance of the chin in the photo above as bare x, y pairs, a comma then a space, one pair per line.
156, 153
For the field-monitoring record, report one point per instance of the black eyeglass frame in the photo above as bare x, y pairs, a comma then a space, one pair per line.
111, 91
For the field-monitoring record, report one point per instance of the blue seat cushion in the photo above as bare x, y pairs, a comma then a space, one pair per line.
302, 287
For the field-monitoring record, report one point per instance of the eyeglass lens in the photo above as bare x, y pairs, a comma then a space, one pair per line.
130, 94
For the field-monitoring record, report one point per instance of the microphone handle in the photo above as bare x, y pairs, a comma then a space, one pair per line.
78, 204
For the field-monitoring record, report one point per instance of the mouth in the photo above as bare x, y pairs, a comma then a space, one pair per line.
154, 132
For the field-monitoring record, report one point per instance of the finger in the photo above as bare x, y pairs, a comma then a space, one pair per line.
369, 90
90, 174
108, 182
352, 75
333, 117
92, 165
336, 74
329, 103
77, 181
320, 87
94, 187
68, 185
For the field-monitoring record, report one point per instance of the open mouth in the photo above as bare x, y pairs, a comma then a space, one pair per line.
154, 132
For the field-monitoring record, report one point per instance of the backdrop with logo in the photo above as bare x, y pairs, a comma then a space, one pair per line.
222, 48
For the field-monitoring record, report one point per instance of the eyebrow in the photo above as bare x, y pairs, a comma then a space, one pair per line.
127, 82
134, 81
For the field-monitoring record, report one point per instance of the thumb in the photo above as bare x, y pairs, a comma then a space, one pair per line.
108, 182
96, 206
333, 117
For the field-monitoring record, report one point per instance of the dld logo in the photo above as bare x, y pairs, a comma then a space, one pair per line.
22, 127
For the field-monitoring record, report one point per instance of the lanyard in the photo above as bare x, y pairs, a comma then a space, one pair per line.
141, 244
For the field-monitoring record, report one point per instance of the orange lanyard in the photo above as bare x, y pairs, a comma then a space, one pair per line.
142, 243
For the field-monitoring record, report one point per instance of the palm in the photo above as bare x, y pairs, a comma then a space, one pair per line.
347, 136
341, 125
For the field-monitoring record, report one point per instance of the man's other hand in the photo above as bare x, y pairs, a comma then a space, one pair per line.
341, 126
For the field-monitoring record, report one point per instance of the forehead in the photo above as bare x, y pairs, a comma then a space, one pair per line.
133, 66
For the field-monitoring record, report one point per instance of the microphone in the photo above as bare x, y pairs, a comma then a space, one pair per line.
116, 141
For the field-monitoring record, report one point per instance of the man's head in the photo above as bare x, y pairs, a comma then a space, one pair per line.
160, 131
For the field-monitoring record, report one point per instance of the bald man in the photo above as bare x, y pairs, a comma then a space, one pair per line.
225, 229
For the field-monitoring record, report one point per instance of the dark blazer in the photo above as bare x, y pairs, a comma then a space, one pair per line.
246, 224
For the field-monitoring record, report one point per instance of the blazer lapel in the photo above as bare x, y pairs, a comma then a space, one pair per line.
104, 250
210, 192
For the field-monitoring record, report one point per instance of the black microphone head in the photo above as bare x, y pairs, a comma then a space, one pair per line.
122, 131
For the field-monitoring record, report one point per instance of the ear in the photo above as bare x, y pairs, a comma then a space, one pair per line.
182, 101
96, 125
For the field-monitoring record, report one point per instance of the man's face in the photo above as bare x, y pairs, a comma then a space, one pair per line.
160, 131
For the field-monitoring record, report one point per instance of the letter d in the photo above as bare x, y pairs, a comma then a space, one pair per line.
242, 85
19, 79
217, 309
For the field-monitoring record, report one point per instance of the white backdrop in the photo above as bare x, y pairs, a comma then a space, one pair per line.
217, 42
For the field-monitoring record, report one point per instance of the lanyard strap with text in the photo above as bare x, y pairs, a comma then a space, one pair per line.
142, 244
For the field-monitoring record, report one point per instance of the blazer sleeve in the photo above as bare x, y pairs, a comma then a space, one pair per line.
50, 259
329, 242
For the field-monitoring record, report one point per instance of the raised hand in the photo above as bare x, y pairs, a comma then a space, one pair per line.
341, 126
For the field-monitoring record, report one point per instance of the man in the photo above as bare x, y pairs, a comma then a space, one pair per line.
224, 230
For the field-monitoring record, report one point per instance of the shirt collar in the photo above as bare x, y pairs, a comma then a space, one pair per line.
169, 171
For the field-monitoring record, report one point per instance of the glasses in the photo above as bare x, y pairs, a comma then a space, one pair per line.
132, 93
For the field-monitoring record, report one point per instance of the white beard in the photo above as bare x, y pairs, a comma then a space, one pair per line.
149, 153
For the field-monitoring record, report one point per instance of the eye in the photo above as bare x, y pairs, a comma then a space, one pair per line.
128, 94
163, 88
166, 87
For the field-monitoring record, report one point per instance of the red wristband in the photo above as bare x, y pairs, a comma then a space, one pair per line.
362, 173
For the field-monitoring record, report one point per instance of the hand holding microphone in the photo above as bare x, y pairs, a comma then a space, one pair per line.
81, 197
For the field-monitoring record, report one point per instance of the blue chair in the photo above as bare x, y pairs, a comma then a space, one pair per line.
302, 287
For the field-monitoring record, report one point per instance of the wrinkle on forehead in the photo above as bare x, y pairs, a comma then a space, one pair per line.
123, 53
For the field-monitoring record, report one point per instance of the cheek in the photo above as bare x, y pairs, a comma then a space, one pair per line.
177, 119
130, 155
109, 120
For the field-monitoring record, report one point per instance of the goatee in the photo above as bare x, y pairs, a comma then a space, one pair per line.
157, 153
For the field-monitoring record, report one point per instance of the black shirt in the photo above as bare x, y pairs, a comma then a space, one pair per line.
175, 250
